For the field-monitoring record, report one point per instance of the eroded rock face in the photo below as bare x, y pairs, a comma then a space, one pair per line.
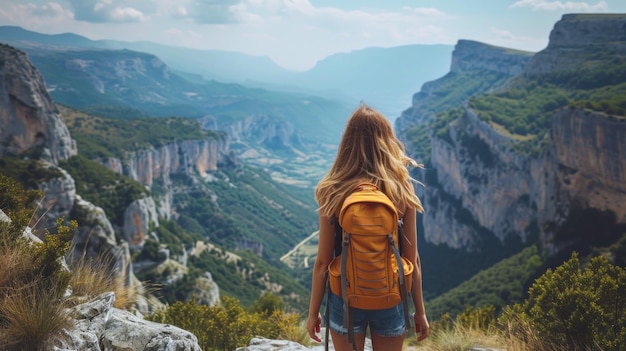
158, 163
138, 218
575, 38
29, 122
472, 55
505, 191
98, 326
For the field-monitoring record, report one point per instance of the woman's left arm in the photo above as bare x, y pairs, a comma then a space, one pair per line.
325, 252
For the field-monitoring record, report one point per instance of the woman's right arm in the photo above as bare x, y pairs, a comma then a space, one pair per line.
410, 251
325, 251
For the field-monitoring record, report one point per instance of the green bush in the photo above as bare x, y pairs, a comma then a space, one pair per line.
32, 278
225, 327
578, 309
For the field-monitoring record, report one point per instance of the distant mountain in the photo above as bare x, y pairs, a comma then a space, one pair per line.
385, 78
382, 77
217, 65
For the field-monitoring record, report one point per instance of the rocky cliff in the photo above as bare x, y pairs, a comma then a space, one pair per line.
482, 188
157, 164
471, 64
31, 127
471, 55
29, 121
488, 188
578, 39
183, 157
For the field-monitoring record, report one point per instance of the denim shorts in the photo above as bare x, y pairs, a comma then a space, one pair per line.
388, 322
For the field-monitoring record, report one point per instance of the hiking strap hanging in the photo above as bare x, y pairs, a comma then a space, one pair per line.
348, 313
403, 293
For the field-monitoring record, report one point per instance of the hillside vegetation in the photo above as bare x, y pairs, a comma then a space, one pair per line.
525, 107
237, 209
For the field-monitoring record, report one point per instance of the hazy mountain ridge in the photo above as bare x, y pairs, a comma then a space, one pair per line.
383, 77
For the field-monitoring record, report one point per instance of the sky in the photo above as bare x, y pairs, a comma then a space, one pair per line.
296, 34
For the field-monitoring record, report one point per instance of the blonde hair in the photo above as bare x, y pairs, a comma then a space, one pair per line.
369, 152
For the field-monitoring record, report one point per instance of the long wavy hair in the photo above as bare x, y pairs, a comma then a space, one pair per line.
369, 152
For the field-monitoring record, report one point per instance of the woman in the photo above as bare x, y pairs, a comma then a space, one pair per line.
368, 152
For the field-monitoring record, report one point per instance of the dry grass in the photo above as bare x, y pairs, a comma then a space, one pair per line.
32, 317
459, 338
14, 265
293, 328
93, 277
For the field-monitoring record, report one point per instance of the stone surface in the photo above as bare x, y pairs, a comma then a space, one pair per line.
98, 326
263, 344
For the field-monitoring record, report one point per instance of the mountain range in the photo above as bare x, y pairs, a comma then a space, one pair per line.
383, 77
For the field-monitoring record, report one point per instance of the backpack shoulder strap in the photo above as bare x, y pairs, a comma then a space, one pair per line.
338, 234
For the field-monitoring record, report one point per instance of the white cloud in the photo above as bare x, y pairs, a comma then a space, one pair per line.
542, 5
102, 11
36, 16
126, 14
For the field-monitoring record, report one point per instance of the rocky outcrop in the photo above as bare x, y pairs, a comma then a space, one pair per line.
59, 194
98, 326
206, 291
472, 61
482, 181
29, 120
471, 55
480, 176
138, 218
184, 157
577, 38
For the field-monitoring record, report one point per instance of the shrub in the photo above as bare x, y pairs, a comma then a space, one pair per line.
580, 309
32, 277
229, 326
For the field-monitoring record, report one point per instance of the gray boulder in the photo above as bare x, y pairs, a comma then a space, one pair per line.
98, 326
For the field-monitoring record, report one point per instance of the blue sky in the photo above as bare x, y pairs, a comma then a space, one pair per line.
298, 33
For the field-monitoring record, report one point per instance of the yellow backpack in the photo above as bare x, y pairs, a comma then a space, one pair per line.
370, 273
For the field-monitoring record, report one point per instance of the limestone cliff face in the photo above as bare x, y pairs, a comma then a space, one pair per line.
29, 120
472, 60
157, 164
137, 220
471, 55
489, 186
481, 182
184, 157
590, 167
95, 234
481, 186
577, 38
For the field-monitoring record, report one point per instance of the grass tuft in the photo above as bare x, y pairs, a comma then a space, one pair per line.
32, 318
